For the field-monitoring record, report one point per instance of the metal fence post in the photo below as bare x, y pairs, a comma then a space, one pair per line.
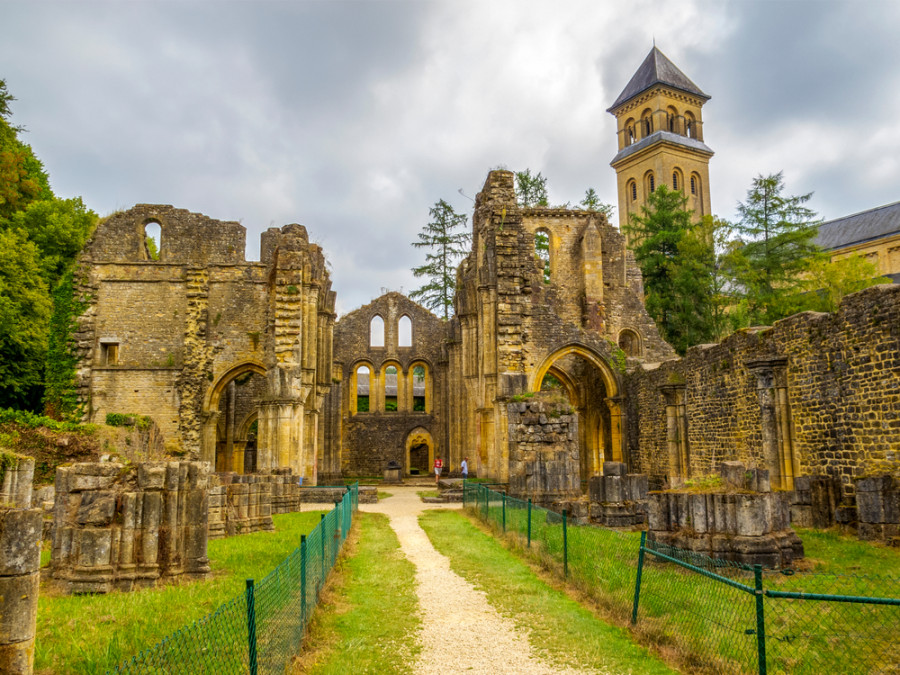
504, 512
637, 581
251, 627
322, 540
487, 503
464, 493
565, 548
529, 523
760, 620
303, 579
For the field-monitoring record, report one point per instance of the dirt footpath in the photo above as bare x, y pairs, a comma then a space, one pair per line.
461, 631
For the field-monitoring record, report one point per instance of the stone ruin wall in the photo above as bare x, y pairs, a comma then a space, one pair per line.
838, 376
124, 527
186, 323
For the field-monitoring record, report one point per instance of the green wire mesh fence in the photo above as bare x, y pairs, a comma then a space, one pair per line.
721, 616
261, 630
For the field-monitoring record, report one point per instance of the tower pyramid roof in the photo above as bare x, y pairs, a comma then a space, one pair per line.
656, 69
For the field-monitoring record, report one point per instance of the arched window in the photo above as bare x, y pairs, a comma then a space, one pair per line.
376, 332
404, 332
419, 388
677, 179
390, 389
693, 185
651, 182
690, 128
362, 389
671, 117
646, 123
629, 131
152, 240
674, 180
632, 190
542, 251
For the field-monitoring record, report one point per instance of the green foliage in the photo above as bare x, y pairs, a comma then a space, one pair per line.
292, 290
677, 261
390, 404
776, 250
550, 383
446, 245
61, 392
152, 248
531, 190
121, 420
24, 317
116, 420
591, 202
362, 404
518, 398
827, 282
32, 420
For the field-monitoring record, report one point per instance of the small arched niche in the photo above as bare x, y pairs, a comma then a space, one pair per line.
630, 342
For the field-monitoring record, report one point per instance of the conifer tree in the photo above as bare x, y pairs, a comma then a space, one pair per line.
531, 190
446, 245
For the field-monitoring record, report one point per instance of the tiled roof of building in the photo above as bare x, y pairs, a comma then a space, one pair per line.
656, 69
859, 227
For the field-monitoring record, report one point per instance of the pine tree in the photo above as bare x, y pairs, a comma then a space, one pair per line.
676, 260
446, 245
531, 190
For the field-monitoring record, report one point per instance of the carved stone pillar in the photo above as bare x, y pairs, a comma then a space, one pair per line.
776, 420
677, 432
616, 425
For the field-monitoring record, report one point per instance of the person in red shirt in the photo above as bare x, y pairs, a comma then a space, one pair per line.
438, 466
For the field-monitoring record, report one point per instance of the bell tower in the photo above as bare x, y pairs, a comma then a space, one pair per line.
659, 123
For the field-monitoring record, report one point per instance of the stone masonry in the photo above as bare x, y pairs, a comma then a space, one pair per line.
618, 498
878, 508
124, 527
20, 558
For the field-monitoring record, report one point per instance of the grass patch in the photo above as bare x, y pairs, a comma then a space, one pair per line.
558, 626
367, 618
382, 494
94, 633
831, 552
428, 493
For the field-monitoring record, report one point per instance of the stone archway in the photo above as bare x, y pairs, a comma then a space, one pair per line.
221, 447
419, 451
593, 390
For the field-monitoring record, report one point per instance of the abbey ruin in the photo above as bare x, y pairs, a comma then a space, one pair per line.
245, 364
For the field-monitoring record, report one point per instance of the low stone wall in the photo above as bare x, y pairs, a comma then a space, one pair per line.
239, 505
20, 559
878, 508
543, 451
815, 501
617, 498
125, 527
368, 494
744, 522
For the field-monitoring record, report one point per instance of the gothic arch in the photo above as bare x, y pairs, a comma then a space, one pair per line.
416, 440
587, 353
212, 396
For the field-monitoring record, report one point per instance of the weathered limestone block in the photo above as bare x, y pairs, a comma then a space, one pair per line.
618, 499
125, 527
815, 501
20, 557
15, 481
735, 523
878, 508
543, 451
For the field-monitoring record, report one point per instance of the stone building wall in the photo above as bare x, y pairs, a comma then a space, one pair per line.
124, 527
165, 337
368, 440
511, 328
815, 394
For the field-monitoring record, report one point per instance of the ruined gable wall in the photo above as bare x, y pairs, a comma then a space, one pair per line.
367, 441
843, 383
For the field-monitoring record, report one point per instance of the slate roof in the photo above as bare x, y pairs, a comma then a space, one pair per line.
657, 69
860, 227
659, 136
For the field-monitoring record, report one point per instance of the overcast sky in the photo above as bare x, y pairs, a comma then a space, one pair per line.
353, 118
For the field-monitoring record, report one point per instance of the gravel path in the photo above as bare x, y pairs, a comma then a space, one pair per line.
460, 631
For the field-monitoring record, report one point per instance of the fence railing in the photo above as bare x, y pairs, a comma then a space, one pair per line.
261, 630
724, 617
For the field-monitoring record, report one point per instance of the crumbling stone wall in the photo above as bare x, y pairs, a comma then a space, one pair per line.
124, 527
543, 450
815, 394
365, 441
165, 337
20, 558
511, 328
878, 508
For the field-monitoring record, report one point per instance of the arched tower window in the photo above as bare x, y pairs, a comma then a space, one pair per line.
542, 251
376, 332
391, 388
671, 118
677, 179
362, 389
650, 182
646, 123
629, 131
632, 190
404, 332
690, 126
152, 240
693, 185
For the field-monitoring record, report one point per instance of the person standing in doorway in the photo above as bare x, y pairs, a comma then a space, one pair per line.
438, 466
464, 468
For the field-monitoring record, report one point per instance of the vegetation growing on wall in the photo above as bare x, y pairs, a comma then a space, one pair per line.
61, 394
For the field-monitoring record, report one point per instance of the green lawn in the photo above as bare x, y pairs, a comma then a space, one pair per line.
368, 620
560, 628
92, 633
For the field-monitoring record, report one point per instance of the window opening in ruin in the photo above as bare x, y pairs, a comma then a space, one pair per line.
630, 342
109, 353
542, 251
404, 332
362, 389
376, 332
419, 389
550, 383
152, 240
390, 389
